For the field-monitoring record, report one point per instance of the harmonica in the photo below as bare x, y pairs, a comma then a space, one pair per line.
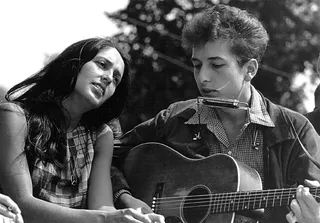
222, 103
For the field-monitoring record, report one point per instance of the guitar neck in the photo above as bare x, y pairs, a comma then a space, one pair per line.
249, 200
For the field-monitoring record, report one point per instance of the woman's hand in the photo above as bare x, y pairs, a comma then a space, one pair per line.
305, 208
130, 215
128, 201
9, 210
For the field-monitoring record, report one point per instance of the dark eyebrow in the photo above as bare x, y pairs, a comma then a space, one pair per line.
209, 58
103, 58
215, 58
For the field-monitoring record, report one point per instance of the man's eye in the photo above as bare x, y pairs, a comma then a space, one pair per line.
217, 65
197, 66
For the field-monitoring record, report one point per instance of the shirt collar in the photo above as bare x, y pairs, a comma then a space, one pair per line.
258, 113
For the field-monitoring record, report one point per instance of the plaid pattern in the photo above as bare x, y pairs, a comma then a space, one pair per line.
53, 184
247, 147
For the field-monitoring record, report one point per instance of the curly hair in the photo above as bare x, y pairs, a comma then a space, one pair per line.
246, 34
41, 96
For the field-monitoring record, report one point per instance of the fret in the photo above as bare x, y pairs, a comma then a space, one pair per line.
247, 195
242, 208
281, 196
273, 199
261, 198
290, 197
267, 198
238, 201
224, 198
219, 204
254, 200
214, 200
234, 201
218, 210
229, 201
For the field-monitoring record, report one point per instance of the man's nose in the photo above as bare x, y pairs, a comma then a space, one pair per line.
204, 75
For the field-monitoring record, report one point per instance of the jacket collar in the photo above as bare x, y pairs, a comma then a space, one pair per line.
283, 129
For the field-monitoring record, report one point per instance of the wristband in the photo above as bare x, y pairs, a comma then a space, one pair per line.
119, 193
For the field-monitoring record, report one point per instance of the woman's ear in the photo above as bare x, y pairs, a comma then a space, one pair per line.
251, 69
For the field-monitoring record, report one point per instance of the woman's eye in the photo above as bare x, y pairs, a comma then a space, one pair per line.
101, 64
116, 81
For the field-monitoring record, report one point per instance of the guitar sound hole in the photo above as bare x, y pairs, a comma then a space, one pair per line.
196, 205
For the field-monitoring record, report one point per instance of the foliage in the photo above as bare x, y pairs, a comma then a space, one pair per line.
162, 73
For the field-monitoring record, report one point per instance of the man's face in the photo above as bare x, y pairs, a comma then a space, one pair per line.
216, 70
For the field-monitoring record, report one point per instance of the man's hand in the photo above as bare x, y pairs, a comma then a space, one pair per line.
127, 201
305, 208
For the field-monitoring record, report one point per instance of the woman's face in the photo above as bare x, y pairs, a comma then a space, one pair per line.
99, 78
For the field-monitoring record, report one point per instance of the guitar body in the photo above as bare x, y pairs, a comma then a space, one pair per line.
154, 170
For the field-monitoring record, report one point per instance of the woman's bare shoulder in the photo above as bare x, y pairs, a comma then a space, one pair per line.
11, 113
11, 107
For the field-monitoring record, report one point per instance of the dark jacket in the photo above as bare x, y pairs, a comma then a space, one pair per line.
285, 163
314, 118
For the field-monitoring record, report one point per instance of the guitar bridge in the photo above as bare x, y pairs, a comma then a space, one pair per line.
157, 194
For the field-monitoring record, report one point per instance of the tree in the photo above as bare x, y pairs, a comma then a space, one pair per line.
162, 71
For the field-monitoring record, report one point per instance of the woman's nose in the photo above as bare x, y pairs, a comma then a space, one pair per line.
108, 76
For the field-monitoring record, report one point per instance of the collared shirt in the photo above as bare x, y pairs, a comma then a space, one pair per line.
248, 145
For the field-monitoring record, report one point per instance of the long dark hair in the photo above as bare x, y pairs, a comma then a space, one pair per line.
41, 96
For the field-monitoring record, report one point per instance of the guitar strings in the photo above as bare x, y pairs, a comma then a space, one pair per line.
243, 193
233, 200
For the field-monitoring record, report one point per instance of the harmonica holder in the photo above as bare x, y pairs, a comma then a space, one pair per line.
222, 103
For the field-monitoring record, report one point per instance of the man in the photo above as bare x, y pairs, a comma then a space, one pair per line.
314, 116
227, 45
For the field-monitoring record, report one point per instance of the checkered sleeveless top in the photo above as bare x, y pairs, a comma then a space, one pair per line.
67, 186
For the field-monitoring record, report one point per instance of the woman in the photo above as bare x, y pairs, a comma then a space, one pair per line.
56, 146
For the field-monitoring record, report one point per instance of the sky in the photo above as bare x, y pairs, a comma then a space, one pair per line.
31, 29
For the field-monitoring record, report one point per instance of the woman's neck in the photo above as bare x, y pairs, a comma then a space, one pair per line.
72, 114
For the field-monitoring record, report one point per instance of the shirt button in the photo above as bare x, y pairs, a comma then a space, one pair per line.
229, 153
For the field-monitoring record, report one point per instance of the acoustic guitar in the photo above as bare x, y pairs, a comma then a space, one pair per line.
187, 190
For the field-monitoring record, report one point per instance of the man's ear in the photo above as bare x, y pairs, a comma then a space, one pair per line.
251, 68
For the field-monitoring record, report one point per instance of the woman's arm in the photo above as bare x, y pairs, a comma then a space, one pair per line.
100, 189
15, 177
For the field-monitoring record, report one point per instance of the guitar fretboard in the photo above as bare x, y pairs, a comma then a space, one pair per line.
244, 200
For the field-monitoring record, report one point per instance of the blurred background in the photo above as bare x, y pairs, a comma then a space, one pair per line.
149, 30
